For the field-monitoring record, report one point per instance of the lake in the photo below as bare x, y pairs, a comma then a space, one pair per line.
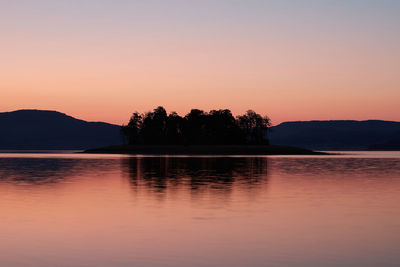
114, 210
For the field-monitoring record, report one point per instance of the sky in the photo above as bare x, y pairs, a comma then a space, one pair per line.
291, 60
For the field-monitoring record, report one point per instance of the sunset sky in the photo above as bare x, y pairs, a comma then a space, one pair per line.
292, 60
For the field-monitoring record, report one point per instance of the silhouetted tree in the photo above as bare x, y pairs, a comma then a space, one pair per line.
174, 130
154, 126
133, 128
218, 127
255, 127
222, 128
194, 128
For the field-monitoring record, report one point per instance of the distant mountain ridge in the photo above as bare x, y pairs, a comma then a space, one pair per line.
337, 134
31, 129
43, 129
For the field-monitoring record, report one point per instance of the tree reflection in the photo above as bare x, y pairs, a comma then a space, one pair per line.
216, 175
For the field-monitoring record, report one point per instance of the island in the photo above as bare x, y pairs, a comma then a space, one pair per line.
203, 150
216, 132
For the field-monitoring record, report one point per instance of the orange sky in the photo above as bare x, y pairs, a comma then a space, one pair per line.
100, 61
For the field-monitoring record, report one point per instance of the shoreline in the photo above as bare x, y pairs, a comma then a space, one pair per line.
203, 150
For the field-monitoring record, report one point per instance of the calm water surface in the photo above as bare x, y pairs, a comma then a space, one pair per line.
112, 210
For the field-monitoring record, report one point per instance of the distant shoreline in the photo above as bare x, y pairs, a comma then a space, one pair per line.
203, 150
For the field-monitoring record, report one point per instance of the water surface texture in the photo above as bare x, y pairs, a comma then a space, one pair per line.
103, 210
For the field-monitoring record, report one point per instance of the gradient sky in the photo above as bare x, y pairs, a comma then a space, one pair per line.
292, 60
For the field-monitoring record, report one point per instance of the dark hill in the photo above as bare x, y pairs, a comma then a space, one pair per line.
42, 129
390, 145
335, 135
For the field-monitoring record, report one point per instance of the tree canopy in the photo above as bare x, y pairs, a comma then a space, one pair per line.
216, 127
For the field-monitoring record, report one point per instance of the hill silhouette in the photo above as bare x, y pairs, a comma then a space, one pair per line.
390, 145
337, 134
43, 129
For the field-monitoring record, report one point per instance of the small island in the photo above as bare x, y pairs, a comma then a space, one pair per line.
216, 132
203, 150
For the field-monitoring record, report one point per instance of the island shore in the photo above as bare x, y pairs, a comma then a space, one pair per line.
203, 150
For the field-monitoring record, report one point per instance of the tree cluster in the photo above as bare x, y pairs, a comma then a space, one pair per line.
217, 127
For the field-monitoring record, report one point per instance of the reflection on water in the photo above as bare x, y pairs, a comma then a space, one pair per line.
320, 167
36, 171
218, 175
199, 211
46, 170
